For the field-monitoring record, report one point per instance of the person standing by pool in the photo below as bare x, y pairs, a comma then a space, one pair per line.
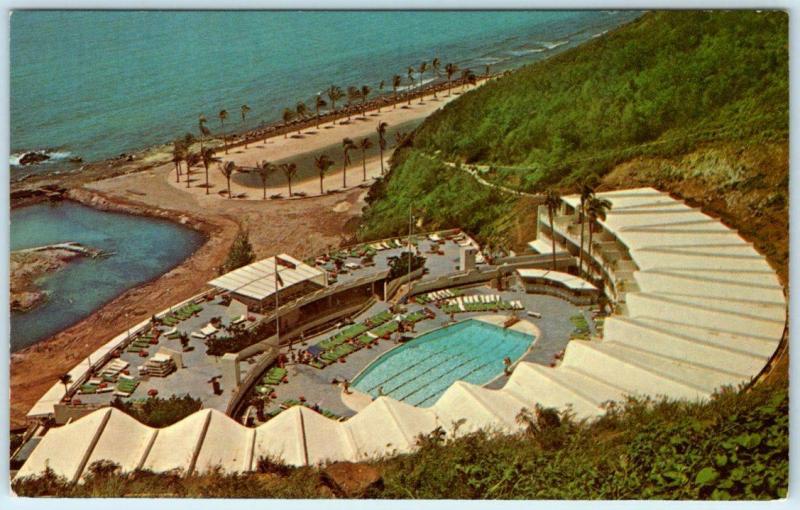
346, 385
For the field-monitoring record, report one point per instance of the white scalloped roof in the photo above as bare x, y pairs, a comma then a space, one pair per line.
710, 312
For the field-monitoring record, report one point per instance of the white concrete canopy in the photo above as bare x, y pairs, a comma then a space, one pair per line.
257, 280
709, 312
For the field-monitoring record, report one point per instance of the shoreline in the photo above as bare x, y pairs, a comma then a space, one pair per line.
146, 187
154, 156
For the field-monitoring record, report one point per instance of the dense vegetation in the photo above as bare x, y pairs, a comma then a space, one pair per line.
160, 412
660, 87
735, 446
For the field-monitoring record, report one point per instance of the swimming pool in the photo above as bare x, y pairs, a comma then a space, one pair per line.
421, 370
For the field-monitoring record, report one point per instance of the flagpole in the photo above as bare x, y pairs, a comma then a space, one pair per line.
277, 317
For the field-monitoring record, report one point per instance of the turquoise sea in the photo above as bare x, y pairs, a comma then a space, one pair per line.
95, 84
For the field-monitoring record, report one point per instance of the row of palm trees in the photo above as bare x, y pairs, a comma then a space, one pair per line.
181, 153
358, 96
354, 95
591, 209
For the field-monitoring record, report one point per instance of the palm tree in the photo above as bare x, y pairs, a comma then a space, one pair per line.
353, 93
227, 170
178, 155
381, 86
223, 114
191, 160
410, 74
596, 209
334, 94
302, 112
552, 201
467, 76
323, 164
319, 103
65, 379
381, 129
208, 158
288, 116
587, 192
289, 170
201, 125
365, 90
396, 82
450, 70
365, 145
436, 64
264, 170
422, 68
347, 146
244, 110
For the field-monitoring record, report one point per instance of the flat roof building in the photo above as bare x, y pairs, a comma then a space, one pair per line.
255, 284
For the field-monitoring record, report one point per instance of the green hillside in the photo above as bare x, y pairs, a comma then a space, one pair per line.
660, 87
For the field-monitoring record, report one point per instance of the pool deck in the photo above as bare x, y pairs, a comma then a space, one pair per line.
552, 333
198, 367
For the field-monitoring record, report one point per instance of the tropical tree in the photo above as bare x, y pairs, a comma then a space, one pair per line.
178, 155
364, 145
422, 68
381, 129
289, 170
365, 90
192, 159
552, 200
587, 192
596, 209
396, 82
347, 146
244, 111
319, 104
323, 163
204, 131
302, 112
410, 74
227, 170
288, 116
65, 379
381, 86
436, 64
208, 157
334, 94
353, 94
223, 115
264, 169
450, 70
467, 77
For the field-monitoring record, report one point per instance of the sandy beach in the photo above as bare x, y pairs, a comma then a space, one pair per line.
302, 227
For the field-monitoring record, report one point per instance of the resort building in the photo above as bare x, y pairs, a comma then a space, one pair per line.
263, 284
696, 308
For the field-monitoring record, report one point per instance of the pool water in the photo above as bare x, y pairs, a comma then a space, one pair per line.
420, 371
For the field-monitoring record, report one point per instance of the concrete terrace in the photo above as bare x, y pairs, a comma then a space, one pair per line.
697, 308
315, 384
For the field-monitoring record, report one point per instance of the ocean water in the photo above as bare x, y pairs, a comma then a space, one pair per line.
95, 84
142, 249
420, 371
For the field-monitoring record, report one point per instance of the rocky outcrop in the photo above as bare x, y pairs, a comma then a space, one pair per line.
33, 157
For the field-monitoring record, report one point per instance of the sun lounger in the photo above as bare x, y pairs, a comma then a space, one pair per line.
197, 334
